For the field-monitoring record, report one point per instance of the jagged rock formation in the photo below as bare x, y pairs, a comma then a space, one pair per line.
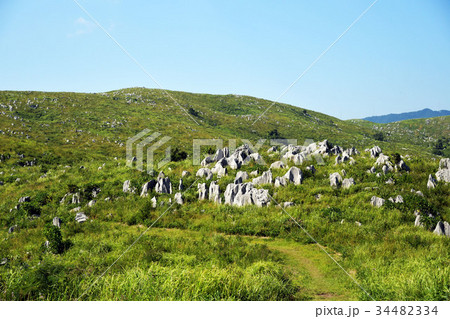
294, 175
202, 191
214, 193
377, 201
163, 185
81, 217
56, 222
348, 182
335, 180
265, 178
178, 198
443, 174
442, 228
204, 173
245, 194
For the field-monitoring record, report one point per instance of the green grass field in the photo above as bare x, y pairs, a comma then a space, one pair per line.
201, 250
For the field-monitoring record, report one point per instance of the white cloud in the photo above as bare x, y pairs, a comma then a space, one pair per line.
83, 26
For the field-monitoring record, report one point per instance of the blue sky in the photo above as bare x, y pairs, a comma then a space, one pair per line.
395, 59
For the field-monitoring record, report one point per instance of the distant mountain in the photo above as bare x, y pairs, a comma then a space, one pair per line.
425, 113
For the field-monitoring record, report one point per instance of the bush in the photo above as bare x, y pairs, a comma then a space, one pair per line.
177, 155
379, 136
53, 235
193, 112
274, 134
30, 208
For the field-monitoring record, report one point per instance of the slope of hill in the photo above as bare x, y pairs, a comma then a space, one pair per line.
389, 118
67, 124
70, 206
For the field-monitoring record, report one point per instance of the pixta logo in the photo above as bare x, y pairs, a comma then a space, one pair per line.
142, 141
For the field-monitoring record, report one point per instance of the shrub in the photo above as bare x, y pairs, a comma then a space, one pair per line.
53, 235
379, 136
177, 155
30, 208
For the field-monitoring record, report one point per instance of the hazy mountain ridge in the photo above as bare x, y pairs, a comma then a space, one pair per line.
395, 117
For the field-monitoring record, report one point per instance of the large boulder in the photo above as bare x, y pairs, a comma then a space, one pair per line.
444, 163
127, 188
377, 201
277, 165
260, 197
442, 228
148, 187
383, 160
81, 217
348, 182
241, 176
204, 173
245, 194
431, 183
178, 198
163, 185
294, 175
265, 178
57, 222
219, 170
443, 175
280, 181
214, 192
202, 191
207, 160
375, 151
335, 180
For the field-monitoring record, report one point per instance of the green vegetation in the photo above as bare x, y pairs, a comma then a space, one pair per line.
75, 143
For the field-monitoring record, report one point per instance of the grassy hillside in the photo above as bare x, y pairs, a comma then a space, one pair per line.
425, 132
66, 125
201, 250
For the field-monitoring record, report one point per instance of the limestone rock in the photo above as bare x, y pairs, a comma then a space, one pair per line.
377, 201
280, 181
92, 203
127, 187
335, 180
444, 163
214, 193
163, 185
294, 175
81, 217
277, 165
265, 178
431, 182
178, 198
202, 191
443, 175
442, 228
348, 182
204, 173
57, 222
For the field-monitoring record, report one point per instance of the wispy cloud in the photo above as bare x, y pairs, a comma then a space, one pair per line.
83, 26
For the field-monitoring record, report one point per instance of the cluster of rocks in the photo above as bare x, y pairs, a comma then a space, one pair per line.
299, 154
224, 158
337, 181
384, 162
443, 173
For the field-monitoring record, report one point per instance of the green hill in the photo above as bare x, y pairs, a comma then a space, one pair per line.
62, 155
